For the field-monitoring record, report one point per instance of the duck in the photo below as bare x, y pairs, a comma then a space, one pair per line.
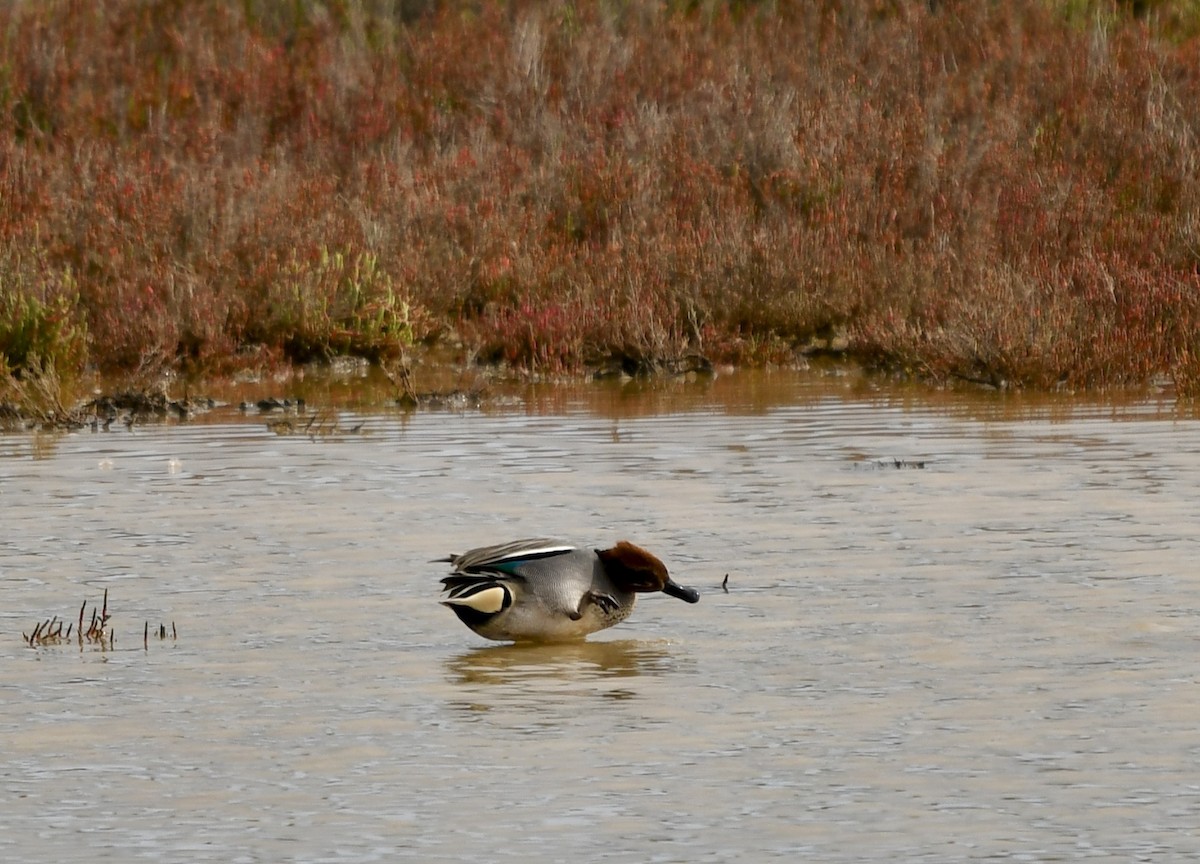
543, 590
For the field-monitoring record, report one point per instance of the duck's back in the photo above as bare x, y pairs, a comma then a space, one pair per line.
557, 583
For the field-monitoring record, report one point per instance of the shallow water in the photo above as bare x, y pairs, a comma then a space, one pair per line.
990, 657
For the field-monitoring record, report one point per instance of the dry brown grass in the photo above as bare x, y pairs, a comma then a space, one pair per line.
1003, 192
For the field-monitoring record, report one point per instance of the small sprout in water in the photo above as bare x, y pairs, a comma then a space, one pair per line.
55, 630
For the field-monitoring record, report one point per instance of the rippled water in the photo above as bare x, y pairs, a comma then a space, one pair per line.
990, 657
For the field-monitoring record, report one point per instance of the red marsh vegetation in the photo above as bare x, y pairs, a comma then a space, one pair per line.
1003, 192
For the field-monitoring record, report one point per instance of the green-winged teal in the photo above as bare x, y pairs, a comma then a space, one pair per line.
542, 590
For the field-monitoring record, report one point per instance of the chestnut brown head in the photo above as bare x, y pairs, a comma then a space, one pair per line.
634, 569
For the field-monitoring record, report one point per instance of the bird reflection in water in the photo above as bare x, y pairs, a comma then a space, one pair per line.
572, 661
537, 675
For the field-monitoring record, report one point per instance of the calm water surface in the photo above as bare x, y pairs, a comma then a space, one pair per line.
991, 657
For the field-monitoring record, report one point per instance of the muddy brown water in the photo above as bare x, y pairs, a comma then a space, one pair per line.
991, 657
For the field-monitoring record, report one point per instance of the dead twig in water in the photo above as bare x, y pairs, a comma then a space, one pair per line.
162, 634
98, 634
